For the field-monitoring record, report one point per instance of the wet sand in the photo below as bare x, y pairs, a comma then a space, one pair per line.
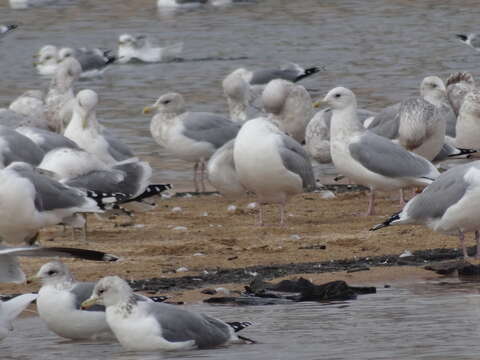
151, 244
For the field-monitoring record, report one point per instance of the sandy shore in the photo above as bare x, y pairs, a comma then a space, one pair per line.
204, 235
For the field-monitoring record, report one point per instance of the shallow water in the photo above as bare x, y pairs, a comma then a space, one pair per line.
433, 320
381, 49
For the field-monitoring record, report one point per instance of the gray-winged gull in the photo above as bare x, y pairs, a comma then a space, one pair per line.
369, 159
46, 140
17, 147
290, 106
189, 136
271, 164
458, 86
448, 205
290, 72
472, 40
46, 62
10, 270
146, 326
468, 122
60, 97
31, 200
9, 310
5, 29
93, 61
140, 48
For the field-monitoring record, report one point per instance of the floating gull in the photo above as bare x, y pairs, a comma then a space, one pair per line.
271, 164
5, 29
222, 173
47, 60
291, 72
17, 147
9, 310
92, 61
458, 86
369, 159
10, 270
317, 133
60, 97
87, 133
140, 48
140, 325
180, 3
472, 40
448, 205
190, 136
290, 106
31, 201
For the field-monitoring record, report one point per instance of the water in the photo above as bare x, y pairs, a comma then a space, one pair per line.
421, 321
381, 49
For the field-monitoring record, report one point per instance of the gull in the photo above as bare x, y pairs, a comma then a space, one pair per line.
290, 106
5, 29
9, 310
369, 159
46, 140
10, 270
271, 164
93, 62
140, 48
472, 40
180, 3
447, 206
60, 97
189, 136
47, 60
31, 200
458, 86
17, 147
146, 326
317, 133
468, 122
31, 105
290, 72
87, 133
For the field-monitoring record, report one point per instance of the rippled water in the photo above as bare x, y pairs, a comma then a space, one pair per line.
423, 321
381, 49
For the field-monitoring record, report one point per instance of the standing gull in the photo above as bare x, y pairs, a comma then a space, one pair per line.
271, 164
190, 136
9, 310
140, 48
145, 326
448, 205
468, 122
369, 159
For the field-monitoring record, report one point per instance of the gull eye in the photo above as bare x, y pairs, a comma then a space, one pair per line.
337, 95
167, 102
48, 57
101, 291
51, 272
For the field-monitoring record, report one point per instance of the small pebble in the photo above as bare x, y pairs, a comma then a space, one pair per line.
199, 254
327, 194
177, 209
222, 290
205, 213
252, 205
231, 208
139, 226
180, 228
295, 237
181, 269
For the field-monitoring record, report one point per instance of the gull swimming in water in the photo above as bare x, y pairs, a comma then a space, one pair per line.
290, 72
47, 60
148, 326
140, 48
448, 205
189, 136
11, 309
369, 159
93, 62
5, 29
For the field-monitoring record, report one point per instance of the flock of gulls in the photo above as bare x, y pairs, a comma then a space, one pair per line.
58, 163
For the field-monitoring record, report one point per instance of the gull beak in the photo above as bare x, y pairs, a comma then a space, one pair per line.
320, 103
36, 56
35, 63
88, 303
85, 122
148, 110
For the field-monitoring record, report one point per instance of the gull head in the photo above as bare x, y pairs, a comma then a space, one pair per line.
86, 101
275, 95
67, 72
171, 103
432, 87
339, 98
109, 291
46, 56
236, 87
53, 273
126, 40
65, 53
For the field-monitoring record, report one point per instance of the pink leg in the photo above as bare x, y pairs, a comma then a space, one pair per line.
371, 203
260, 215
282, 215
202, 174
402, 198
461, 237
195, 176
477, 240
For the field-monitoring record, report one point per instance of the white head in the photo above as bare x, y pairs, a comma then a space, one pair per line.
171, 104
235, 86
47, 59
110, 291
85, 103
340, 98
67, 72
458, 86
126, 40
65, 53
54, 273
432, 87
275, 95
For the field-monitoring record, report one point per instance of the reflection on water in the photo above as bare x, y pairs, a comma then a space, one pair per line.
381, 49
420, 321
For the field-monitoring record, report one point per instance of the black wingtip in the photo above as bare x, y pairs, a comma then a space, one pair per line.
239, 325
308, 72
84, 254
12, 26
387, 222
462, 37
463, 152
152, 190
106, 201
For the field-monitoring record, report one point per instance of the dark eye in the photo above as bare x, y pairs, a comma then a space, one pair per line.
167, 102
434, 85
337, 95
51, 272
101, 291
48, 58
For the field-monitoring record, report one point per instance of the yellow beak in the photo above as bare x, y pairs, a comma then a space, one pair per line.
319, 103
88, 303
148, 110
85, 122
